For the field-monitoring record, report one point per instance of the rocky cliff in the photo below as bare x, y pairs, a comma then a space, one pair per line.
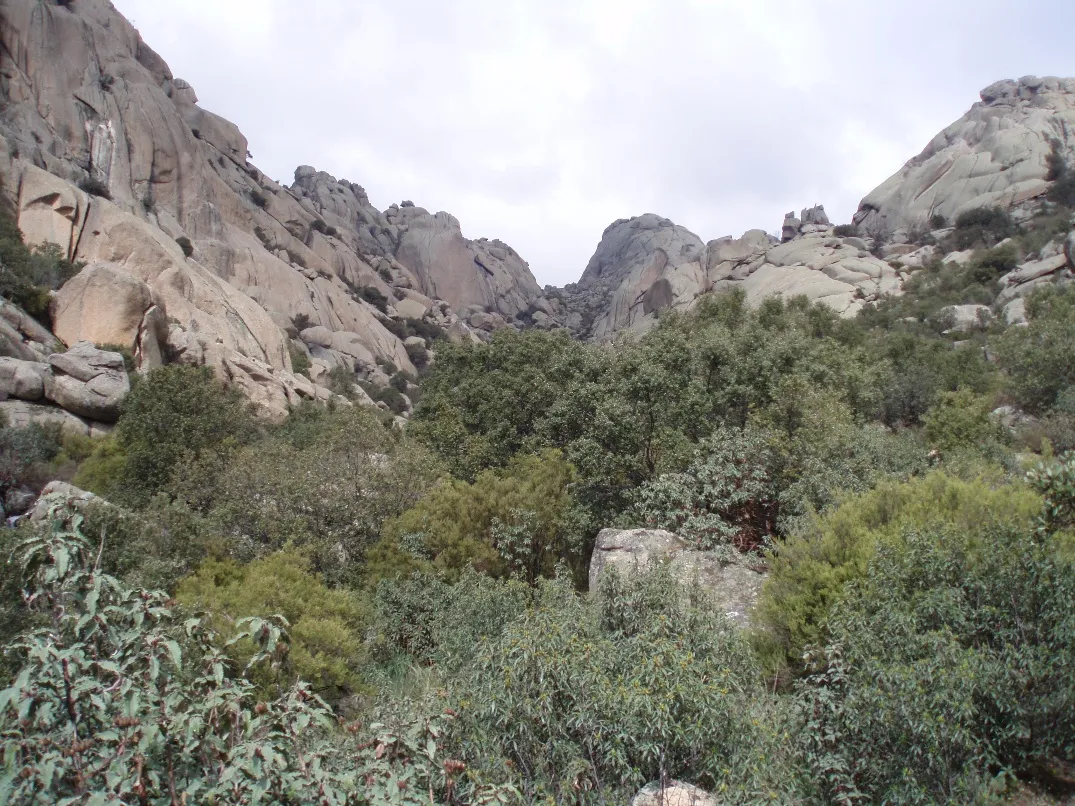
192, 252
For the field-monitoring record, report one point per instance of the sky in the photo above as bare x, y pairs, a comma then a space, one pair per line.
540, 122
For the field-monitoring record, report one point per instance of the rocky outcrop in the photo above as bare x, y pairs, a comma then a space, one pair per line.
672, 793
648, 264
734, 587
997, 155
1052, 266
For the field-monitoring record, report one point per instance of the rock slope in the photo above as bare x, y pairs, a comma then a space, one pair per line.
997, 155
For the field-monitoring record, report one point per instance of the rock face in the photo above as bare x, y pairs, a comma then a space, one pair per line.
734, 587
994, 156
193, 253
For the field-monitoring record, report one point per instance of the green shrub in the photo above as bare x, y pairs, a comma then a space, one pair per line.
938, 221
845, 231
810, 571
185, 245
27, 275
103, 471
517, 522
982, 227
433, 622
175, 412
325, 625
418, 354
326, 483
585, 702
318, 225
1040, 358
300, 361
301, 322
392, 397
258, 198
374, 297
162, 710
401, 381
727, 496
961, 420
989, 265
25, 454
385, 274
430, 331
950, 661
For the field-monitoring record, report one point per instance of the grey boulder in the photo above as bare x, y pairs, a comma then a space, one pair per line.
88, 382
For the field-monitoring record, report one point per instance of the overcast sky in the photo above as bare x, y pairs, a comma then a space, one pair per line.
540, 122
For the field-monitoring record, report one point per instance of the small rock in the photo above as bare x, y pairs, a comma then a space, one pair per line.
18, 501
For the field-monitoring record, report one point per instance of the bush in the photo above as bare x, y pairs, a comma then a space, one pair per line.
258, 198
517, 522
391, 397
950, 661
599, 697
432, 622
1040, 358
152, 689
728, 495
27, 275
982, 227
25, 454
95, 187
300, 361
989, 265
301, 322
418, 354
325, 484
176, 412
374, 297
385, 274
326, 625
845, 231
938, 221
401, 381
430, 331
961, 420
810, 571
318, 225
185, 245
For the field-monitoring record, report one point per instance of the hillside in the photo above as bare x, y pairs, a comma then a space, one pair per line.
307, 502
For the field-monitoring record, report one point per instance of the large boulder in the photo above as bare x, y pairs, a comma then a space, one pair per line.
734, 587
672, 793
997, 155
22, 413
24, 380
103, 304
965, 317
88, 382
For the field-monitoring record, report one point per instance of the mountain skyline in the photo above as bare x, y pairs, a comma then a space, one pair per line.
539, 126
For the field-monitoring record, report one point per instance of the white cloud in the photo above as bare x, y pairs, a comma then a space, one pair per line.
542, 122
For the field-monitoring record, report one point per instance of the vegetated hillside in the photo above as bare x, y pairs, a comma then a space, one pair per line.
794, 526
353, 614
